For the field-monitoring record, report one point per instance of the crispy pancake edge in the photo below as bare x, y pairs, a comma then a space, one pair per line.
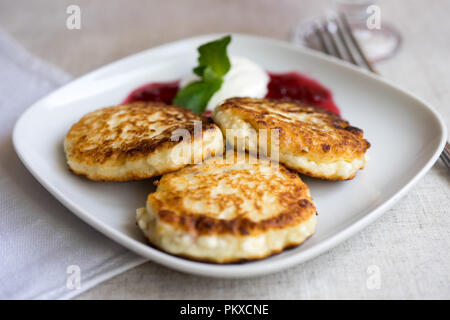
92, 163
297, 144
302, 207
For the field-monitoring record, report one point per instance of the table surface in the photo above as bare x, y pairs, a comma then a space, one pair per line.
405, 266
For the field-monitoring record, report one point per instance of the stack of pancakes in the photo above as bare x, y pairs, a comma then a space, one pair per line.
219, 200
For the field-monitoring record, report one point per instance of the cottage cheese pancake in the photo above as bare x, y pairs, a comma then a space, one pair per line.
139, 140
223, 211
310, 140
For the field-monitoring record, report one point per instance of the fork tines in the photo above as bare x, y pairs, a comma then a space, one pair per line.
336, 39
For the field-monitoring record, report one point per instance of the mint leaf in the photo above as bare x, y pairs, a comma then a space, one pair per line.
199, 70
195, 95
213, 55
213, 65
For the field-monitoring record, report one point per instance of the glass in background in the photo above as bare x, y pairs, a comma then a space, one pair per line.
378, 42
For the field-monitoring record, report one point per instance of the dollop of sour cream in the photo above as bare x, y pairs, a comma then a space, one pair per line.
244, 79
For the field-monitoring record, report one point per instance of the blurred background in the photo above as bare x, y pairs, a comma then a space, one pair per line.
116, 28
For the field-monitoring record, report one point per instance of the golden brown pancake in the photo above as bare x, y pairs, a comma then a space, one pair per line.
223, 211
138, 141
310, 140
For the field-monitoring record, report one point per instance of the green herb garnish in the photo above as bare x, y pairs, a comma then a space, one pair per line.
213, 64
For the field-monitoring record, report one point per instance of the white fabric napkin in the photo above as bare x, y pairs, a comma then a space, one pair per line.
45, 251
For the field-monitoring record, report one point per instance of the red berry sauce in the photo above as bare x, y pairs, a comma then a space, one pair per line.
154, 91
295, 86
289, 85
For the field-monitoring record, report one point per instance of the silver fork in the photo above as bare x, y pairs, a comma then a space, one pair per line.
336, 39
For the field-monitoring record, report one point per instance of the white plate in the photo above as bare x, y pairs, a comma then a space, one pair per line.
406, 134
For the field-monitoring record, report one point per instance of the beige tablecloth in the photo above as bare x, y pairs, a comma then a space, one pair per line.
43, 246
404, 254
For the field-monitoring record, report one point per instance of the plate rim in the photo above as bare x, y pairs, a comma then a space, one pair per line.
232, 270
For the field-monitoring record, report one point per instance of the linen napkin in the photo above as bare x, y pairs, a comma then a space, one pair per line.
45, 251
